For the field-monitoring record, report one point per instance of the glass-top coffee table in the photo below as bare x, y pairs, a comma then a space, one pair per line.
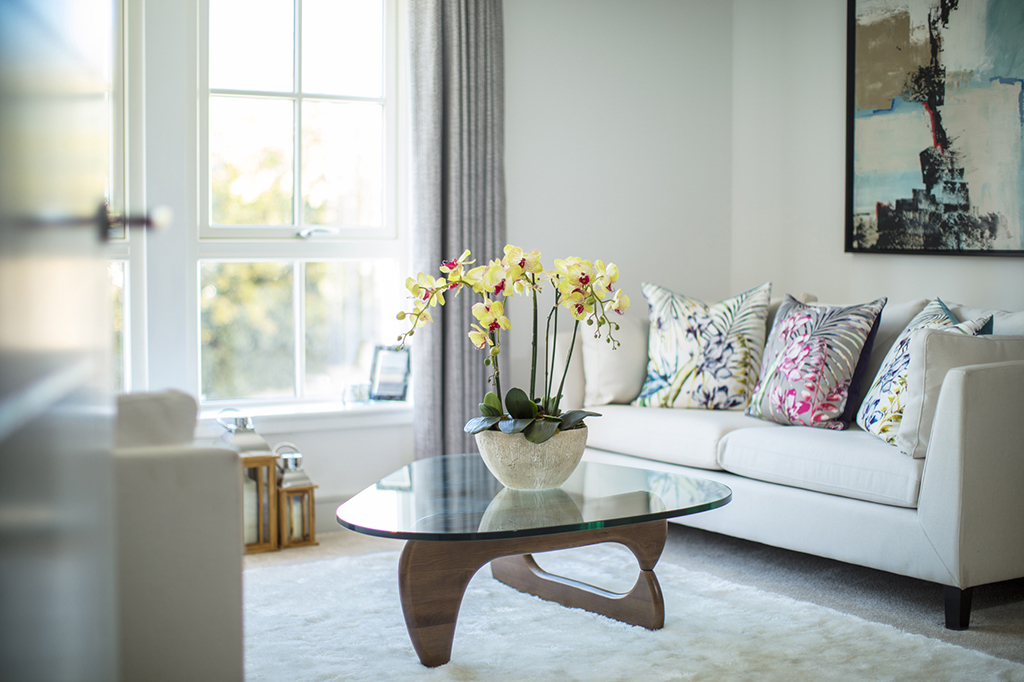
456, 518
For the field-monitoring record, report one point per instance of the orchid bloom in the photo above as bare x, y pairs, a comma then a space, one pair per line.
491, 315
619, 303
479, 338
607, 275
494, 279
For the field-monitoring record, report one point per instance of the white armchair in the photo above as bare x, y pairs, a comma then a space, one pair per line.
179, 545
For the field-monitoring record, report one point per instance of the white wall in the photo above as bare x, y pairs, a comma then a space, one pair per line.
701, 144
788, 165
618, 141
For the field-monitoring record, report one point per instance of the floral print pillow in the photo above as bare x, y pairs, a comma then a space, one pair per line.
812, 363
882, 409
700, 355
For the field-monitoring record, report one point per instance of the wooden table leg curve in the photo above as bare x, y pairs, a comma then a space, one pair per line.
643, 605
433, 576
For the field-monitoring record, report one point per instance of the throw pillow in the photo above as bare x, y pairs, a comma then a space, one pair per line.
616, 375
700, 355
932, 354
882, 409
813, 362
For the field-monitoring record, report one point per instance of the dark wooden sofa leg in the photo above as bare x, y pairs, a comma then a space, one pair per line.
958, 607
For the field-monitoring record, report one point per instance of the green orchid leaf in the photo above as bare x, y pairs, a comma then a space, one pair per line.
575, 418
540, 430
519, 404
488, 411
514, 425
492, 400
478, 424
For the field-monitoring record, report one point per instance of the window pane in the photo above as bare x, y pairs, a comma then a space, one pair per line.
350, 307
343, 47
251, 44
251, 161
116, 271
247, 329
342, 163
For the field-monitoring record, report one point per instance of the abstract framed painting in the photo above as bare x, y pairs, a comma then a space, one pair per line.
935, 123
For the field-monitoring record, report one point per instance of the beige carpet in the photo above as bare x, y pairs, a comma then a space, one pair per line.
913, 606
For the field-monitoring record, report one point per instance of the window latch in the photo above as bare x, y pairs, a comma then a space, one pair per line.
310, 231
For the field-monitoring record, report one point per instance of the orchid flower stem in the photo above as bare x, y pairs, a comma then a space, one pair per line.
495, 338
533, 360
568, 358
553, 341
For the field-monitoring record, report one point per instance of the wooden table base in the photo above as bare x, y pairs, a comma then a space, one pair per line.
433, 577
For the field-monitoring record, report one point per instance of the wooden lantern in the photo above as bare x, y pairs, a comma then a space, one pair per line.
259, 496
296, 516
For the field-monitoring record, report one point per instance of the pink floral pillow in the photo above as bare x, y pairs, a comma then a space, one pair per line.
813, 364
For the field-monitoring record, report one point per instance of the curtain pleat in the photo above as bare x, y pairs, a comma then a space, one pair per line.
458, 198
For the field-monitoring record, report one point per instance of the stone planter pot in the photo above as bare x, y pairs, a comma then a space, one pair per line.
521, 465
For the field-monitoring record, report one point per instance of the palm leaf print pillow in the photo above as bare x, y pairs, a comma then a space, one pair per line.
810, 375
882, 409
700, 355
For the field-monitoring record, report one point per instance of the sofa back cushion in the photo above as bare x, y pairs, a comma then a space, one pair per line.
1003, 323
154, 419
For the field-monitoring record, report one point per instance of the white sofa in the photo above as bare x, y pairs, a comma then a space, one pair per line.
954, 517
179, 546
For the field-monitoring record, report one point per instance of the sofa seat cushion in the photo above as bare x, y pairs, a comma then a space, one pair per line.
850, 463
687, 437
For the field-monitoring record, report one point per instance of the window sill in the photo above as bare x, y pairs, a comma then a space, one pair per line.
283, 418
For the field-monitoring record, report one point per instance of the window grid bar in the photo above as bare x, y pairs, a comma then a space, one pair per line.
297, 217
292, 95
299, 322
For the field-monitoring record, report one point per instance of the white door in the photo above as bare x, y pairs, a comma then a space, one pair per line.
57, 583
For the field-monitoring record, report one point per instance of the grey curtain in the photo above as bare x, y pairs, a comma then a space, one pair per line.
458, 198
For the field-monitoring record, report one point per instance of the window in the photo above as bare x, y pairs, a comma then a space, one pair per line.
297, 121
291, 271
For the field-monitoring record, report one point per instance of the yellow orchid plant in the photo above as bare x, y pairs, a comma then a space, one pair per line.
581, 287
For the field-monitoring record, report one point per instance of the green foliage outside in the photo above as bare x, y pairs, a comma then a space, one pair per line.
247, 330
272, 207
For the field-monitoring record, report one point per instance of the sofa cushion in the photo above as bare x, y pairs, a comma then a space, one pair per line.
850, 463
1003, 323
616, 375
932, 354
687, 437
882, 409
152, 419
700, 355
813, 363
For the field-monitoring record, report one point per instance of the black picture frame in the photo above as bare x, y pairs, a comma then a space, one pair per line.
389, 374
968, 194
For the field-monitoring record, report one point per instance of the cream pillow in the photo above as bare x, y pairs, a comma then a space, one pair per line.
615, 376
934, 352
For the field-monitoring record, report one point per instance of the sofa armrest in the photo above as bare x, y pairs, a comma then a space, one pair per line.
971, 506
179, 555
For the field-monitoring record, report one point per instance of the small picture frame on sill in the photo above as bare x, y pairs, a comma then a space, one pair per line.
389, 376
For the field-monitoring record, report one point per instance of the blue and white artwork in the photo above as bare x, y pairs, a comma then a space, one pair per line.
935, 152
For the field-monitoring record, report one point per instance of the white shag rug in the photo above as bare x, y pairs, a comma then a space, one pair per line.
341, 619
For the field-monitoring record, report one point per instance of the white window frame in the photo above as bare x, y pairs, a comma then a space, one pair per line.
177, 97
128, 182
388, 99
